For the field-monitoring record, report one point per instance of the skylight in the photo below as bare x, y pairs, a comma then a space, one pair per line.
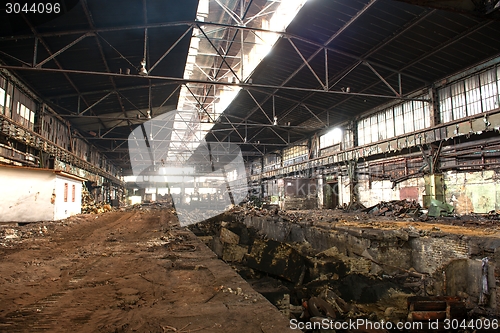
221, 53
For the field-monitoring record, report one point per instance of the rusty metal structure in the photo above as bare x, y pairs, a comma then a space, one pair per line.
101, 69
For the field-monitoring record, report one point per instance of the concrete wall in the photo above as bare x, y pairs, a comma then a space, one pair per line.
26, 195
30, 195
454, 261
65, 208
468, 192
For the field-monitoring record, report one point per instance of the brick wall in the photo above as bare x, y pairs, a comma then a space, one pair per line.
430, 253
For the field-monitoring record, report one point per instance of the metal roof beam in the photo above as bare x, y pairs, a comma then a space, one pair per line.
184, 81
94, 92
58, 64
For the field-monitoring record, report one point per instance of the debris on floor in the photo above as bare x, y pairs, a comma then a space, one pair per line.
396, 208
436, 308
439, 208
89, 206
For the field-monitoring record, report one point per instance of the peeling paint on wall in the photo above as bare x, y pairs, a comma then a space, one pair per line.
473, 192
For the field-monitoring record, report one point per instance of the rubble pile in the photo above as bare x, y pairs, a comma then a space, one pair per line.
307, 284
396, 208
89, 206
11, 234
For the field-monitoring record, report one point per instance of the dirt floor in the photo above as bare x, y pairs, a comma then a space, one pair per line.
130, 271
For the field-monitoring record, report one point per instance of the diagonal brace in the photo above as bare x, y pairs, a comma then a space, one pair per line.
306, 62
382, 78
64, 49
99, 101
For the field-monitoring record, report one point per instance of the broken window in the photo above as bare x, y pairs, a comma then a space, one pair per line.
470, 96
382, 126
389, 122
295, 154
374, 128
398, 120
418, 115
348, 139
361, 133
331, 138
408, 117
489, 90
445, 105
473, 95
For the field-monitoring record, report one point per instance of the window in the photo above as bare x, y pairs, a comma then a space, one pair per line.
398, 120
367, 130
65, 192
418, 115
348, 139
409, 126
295, 153
374, 128
361, 133
489, 90
427, 114
473, 95
73, 193
382, 126
458, 100
470, 96
389, 119
445, 105
331, 138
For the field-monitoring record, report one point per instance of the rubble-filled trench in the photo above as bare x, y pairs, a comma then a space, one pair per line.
347, 266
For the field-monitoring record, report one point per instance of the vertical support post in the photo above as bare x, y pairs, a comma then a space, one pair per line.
354, 133
327, 86
35, 51
434, 106
400, 86
261, 184
242, 38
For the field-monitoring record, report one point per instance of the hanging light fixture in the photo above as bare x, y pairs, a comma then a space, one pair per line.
143, 70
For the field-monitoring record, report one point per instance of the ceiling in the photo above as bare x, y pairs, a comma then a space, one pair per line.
336, 60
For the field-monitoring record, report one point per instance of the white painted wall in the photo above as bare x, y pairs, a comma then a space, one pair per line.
62, 208
381, 190
26, 195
